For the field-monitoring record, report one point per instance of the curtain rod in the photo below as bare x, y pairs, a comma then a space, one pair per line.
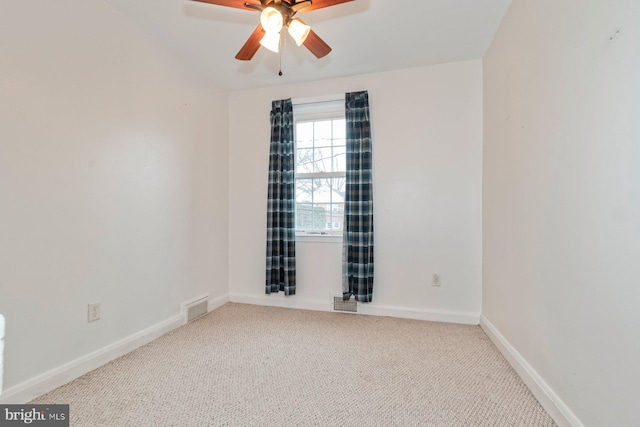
317, 99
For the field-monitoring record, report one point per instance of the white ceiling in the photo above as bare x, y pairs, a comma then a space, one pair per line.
366, 36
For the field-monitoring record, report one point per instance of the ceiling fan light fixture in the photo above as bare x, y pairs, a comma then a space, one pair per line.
271, 41
271, 20
298, 31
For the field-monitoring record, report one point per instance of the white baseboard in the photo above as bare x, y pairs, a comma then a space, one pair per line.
420, 314
54, 378
549, 400
217, 302
279, 300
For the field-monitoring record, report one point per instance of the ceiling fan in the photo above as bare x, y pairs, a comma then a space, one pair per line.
274, 15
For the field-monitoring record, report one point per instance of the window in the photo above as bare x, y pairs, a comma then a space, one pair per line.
320, 167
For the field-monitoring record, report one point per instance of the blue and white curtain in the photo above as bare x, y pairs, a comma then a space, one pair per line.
357, 249
281, 245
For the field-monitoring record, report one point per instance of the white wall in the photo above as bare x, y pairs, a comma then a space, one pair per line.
427, 139
113, 183
561, 200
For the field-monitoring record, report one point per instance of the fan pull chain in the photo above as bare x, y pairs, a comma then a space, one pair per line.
283, 42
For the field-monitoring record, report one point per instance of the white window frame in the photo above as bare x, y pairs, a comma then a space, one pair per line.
318, 109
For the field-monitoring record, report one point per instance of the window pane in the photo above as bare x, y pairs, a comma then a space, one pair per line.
339, 159
322, 160
339, 142
339, 129
321, 216
304, 160
304, 135
337, 215
320, 148
322, 133
304, 216
338, 188
322, 190
304, 188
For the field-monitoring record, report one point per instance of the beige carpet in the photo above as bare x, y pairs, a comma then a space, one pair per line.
262, 366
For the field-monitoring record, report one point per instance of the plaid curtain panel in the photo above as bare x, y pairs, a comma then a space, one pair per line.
281, 245
357, 249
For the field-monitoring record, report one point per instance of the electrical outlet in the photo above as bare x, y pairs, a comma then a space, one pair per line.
435, 280
94, 312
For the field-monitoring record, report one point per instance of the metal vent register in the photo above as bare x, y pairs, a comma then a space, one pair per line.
350, 306
196, 309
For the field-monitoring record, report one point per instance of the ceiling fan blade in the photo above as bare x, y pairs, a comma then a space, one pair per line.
300, 4
251, 46
316, 45
319, 4
238, 4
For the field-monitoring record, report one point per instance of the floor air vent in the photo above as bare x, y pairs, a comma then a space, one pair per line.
350, 306
196, 309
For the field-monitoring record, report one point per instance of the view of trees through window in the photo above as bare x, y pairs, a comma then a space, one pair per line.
320, 174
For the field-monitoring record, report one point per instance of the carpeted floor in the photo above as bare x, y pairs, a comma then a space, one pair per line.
247, 365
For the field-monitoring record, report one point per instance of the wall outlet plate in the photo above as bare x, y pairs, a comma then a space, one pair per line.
435, 280
94, 312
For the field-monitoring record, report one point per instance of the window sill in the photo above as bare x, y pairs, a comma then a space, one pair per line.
319, 238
